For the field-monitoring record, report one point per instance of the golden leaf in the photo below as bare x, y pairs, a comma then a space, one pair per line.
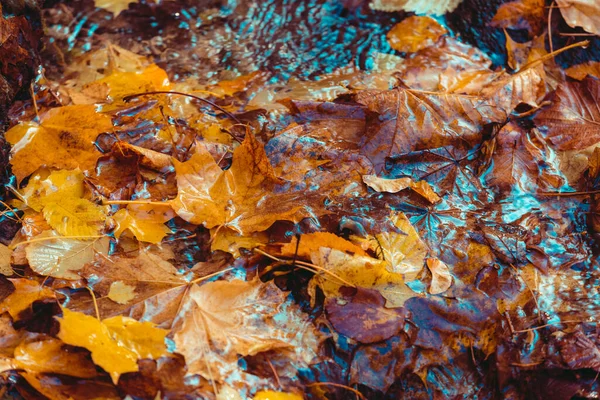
362, 271
64, 140
26, 292
75, 217
142, 225
231, 242
442, 279
44, 187
271, 395
5, 265
116, 343
311, 242
415, 33
114, 6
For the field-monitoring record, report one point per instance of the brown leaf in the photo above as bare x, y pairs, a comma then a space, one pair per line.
569, 122
580, 71
441, 277
411, 120
527, 86
364, 317
223, 320
521, 14
583, 13
415, 33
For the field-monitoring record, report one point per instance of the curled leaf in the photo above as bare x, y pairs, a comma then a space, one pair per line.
441, 278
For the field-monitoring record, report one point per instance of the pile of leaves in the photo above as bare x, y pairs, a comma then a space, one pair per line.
425, 229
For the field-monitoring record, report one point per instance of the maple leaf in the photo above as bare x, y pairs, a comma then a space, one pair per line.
313, 241
583, 13
363, 316
116, 343
415, 33
230, 241
411, 120
244, 198
569, 123
52, 255
527, 86
417, 6
64, 140
43, 187
223, 320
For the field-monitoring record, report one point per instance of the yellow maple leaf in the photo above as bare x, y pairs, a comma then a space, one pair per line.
64, 139
227, 240
116, 343
123, 83
271, 395
313, 241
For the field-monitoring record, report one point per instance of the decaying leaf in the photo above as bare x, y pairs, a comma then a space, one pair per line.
5, 254
580, 71
223, 320
396, 185
521, 14
116, 343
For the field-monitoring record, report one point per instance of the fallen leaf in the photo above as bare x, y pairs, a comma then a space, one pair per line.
521, 14
231, 242
5, 265
311, 242
64, 140
123, 83
143, 225
271, 395
360, 271
242, 198
26, 292
404, 252
223, 320
526, 86
52, 255
441, 277
580, 71
75, 217
415, 33
116, 343
583, 13
569, 123
43, 187
114, 6
364, 317
411, 120
417, 6
121, 293
396, 185
48, 355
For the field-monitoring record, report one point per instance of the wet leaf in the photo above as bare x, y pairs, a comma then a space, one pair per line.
64, 139
75, 217
272, 395
568, 122
223, 320
364, 317
26, 292
51, 255
521, 14
441, 276
415, 33
311, 242
114, 6
5, 266
583, 13
116, 343
417, 6
580, 71
146, 226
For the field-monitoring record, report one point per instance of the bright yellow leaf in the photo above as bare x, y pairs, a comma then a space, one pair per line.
64, 140
121, 84
311, 242
145, 230
75, 217
114, 6
230, 241
271, 395
44, 187
116, 343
